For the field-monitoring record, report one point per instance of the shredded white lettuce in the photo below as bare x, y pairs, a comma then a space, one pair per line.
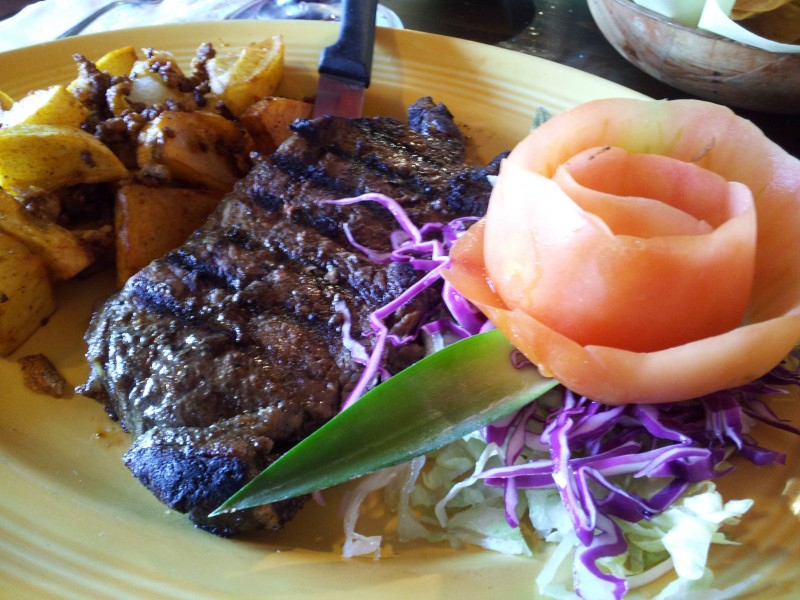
440, 498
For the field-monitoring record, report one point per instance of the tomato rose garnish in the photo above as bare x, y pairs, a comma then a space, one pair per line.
641, 251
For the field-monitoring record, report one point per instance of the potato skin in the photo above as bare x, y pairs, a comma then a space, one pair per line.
42, 158
118, 62
26, 295
152, 221
52, 106
62, 252
6, 101
267, 121
198, 148
174, 138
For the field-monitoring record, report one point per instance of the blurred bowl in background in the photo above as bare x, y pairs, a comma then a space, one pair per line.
699, 62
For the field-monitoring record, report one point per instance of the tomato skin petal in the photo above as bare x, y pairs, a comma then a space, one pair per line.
707, 135
615, 376
565, 268
644, 194
467, 272
638, 216
711, 137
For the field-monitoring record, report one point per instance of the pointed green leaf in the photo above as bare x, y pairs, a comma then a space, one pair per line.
442, 398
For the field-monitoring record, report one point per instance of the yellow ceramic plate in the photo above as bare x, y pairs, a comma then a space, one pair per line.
74, 523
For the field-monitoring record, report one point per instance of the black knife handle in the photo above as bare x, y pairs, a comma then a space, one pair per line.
350, 57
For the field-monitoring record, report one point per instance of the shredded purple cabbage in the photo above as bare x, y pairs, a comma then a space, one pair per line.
593, 448
427, 249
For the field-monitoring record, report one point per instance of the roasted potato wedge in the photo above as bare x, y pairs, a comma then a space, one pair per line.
43, 158
26, 295
119, 61
62, 252
51, 106
5, 101
247, 75
197, 147
152, 221
267, 121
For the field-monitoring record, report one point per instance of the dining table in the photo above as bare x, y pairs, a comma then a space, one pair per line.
562, 31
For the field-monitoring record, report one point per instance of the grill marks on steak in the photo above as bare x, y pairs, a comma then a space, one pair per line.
229, 350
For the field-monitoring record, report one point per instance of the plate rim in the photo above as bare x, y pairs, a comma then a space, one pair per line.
386, 36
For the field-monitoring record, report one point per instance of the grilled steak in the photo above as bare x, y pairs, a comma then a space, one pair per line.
227, 351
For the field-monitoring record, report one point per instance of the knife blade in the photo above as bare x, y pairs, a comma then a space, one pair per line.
346, 65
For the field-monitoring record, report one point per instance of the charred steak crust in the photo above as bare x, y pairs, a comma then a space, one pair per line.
229, 350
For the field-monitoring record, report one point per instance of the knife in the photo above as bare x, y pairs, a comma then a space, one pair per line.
345, 66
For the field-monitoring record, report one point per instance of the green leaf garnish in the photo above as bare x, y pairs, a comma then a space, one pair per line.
442, 398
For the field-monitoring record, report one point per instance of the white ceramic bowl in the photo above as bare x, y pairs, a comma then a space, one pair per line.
699, 62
